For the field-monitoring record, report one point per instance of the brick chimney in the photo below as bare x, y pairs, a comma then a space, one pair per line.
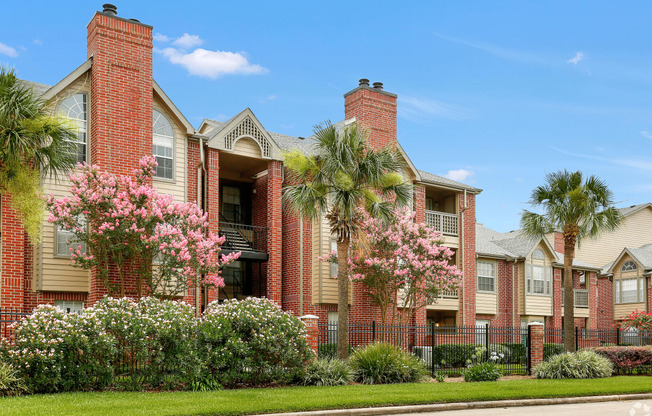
121, 90
375, 110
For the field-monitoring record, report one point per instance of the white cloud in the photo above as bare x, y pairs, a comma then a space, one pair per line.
499, 51
159, 37
38, 42
576, 59
187, 41
630, 162
8, 50
420, 110
459, 175
646, 134
268, 98
212, 64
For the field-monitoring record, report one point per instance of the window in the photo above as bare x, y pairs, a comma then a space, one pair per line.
333, 265
628, 266
231, 206
332, 327
629, 290
538, 274
66, 241
486, 276
70, 306
75, 107
163, 145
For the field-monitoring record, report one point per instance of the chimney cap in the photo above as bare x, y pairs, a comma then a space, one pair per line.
109, 9
364, 82
378, 85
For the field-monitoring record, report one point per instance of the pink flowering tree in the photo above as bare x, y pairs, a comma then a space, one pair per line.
402, 265
124, 229
640, 320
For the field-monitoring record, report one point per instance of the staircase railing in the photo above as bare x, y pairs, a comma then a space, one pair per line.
253, 236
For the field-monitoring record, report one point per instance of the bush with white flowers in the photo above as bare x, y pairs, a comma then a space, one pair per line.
251, 341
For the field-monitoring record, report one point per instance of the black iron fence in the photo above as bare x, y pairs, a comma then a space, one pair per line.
449, 350
9, 316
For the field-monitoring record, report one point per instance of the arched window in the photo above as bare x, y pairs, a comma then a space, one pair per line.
75, 107
163, 145
538, 274
538, 254
628, 266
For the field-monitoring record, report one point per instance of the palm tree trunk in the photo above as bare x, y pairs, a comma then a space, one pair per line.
569, 298
343, 298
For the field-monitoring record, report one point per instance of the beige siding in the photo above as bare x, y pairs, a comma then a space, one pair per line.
538, 305
623, 309
521, 288
486, 303
176, 187
324, 288
578, 312
247, 147
53, 273
633, 232
446, 304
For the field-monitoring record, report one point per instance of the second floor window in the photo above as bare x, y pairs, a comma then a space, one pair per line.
163, 145
66, 243
629, 290
75, 108
538, 273
486, 276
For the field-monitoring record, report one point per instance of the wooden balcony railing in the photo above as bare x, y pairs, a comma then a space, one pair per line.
581, 297
443, 222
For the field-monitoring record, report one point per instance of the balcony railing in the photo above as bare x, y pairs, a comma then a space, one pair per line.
449, 295
443, 222
242, 237
581, 298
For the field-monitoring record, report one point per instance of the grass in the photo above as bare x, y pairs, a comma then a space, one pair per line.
250, 401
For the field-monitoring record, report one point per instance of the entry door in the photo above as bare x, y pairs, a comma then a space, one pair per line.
231, 204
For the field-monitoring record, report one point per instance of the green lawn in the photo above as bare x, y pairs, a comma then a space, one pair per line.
247, 401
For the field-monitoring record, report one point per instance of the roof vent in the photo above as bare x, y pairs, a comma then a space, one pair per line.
364, 82
135, 20
378, 85
109, 9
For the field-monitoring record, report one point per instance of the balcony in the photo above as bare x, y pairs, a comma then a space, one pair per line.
449, 295
250, 240
581, 297
444, 222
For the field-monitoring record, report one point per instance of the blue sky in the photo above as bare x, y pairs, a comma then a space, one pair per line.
495, 94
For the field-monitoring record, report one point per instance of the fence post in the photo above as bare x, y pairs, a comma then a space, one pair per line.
373, 332
432, 349
535, 350
577, 339
618, 336
486, 342
312, 327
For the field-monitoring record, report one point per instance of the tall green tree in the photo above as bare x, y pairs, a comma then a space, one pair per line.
342, 177
33, 142
580, 208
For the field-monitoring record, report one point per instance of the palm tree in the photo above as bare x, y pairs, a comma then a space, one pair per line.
340, 179
32, 143
580, 208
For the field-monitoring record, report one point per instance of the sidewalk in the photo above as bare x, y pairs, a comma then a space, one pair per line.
429, 408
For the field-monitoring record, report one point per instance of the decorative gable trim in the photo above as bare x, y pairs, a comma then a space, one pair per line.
244, 125
69, 79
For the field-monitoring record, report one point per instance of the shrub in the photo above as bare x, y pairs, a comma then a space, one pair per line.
454, 355
251, 341
325, 372
486, 371
552, 349
11, 384
581, 364
628, 359
56, 351
383, 363
517, 352
329, 351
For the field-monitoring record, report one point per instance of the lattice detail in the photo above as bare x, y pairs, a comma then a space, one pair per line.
249, 129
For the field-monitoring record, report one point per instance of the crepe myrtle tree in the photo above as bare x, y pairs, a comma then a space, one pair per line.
342, 178
122, 224
402, 264
580, 208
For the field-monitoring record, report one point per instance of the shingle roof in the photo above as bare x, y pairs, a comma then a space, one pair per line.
643, 254
440, 180
39, 89
577, 263
634, 208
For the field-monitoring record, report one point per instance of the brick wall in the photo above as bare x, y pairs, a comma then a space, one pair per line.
12, 277
274, 231
467, 300
375, 110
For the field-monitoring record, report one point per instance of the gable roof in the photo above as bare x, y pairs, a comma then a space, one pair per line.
641, 254
67, 80
430, 178
627, 211
172, 107
516, 245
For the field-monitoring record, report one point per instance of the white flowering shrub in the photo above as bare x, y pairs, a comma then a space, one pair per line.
251, 341
154, 338
55, 351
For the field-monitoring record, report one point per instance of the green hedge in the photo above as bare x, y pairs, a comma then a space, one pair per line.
454, 355
518, 353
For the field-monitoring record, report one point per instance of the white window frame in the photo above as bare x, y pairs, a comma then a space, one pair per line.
70, 306
58, 233
619, 292
538, 262
160, 123
69, 107
491, 277
333, 266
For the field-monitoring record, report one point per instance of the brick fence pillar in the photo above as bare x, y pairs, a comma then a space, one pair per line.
274, 231
536, 344
312, 328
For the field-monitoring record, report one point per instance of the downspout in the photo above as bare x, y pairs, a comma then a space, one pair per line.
515, 295
300, 265
201, 175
